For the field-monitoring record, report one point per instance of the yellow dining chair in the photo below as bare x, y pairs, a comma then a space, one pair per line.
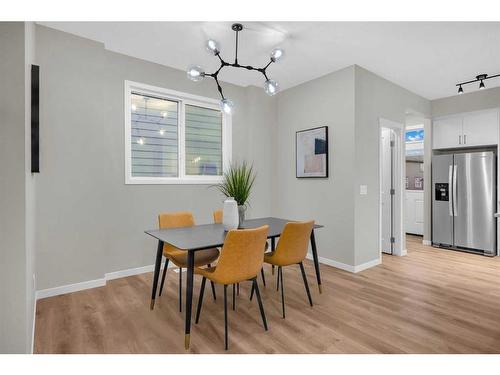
218, 220
291, 249
240, 260
179, 257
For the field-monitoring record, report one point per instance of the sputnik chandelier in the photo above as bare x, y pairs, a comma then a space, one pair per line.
197, 73
479, 78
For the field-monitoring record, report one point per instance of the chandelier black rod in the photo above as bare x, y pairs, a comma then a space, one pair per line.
484, 77
223, 63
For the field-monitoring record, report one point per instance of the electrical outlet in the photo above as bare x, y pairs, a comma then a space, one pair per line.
363, 189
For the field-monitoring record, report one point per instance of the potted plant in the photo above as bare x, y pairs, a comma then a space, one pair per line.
237, 183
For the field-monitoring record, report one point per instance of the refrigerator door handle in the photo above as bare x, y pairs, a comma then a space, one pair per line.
450, 184
454, 189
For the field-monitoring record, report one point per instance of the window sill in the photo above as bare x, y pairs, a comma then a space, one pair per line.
173, 181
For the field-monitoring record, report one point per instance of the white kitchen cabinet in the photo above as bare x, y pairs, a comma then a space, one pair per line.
480, 128
447, 132
466, 130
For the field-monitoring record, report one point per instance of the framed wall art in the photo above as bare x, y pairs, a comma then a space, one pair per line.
311, 153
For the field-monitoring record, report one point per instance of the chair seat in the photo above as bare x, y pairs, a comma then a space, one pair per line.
271, 258
201, 257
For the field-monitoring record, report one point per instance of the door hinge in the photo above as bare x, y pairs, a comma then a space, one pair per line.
393, 192
392, 143
393, 240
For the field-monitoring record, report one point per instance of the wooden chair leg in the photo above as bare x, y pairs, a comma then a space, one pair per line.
304, 277
263, 277
261, 306
280, 275
200, 300
225, 318
180, 289
164, 274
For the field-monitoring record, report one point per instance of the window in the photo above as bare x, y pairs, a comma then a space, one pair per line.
174, 138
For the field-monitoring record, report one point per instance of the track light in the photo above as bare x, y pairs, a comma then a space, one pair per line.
481, 85
460, 90
479, 78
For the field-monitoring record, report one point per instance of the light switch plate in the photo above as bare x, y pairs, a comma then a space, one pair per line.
363, 189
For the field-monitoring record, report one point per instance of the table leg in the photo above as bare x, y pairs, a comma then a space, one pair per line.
189, 298
273, 247
159, 253
315, 258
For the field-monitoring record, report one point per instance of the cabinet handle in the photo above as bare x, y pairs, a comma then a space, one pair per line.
459, 139
465, 139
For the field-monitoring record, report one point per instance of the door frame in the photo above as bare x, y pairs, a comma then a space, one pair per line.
399, 248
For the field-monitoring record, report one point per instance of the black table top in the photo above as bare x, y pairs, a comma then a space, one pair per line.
200, 237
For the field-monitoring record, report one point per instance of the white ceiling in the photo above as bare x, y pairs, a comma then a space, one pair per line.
424, 57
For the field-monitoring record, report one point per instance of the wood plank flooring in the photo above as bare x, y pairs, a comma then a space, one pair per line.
431, 301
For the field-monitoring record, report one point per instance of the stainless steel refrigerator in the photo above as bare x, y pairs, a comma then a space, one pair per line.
464, 201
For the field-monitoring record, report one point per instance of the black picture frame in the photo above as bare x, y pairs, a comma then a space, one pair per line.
319, 146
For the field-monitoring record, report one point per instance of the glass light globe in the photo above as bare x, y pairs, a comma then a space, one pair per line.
277, 54
271, 87
195, 73
212, 47
226, 105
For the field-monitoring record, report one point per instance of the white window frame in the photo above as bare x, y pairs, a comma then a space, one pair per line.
183, 99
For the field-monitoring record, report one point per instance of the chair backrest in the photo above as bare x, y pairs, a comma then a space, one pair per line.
178, 219
175, 219
242, 255
218, 216
293, 242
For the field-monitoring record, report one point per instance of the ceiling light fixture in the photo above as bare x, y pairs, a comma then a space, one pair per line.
479, 78
197, 73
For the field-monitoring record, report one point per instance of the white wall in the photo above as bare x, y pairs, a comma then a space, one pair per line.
88, 221
473, 101
16, 198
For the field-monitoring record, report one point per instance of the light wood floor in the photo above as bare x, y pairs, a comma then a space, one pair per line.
431, 301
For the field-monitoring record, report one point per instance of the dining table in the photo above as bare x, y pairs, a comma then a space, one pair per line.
206, 236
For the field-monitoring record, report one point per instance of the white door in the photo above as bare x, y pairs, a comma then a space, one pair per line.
447, 133
480, 128
386, 207
414, 213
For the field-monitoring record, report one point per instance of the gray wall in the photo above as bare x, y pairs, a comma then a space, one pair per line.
375, 98
88, 220
329, 101
473, 101
16, 198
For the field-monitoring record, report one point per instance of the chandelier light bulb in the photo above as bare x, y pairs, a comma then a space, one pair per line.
277, 54
227, 106
195, 73
212, 47
271, 87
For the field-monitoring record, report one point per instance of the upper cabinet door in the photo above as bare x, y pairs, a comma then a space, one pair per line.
447, 133
480, 128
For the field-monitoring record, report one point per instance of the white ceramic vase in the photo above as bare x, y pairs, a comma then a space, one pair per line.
230, 217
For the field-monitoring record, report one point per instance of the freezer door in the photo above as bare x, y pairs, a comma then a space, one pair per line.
475, 201
442, 214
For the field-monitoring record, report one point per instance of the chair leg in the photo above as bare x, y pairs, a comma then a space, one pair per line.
272, 270
180, 289
213, 285
238, 289
251, 293
304, 277
164, 274
261, 307
263, 277
280, 275
278, 279
234, 297
225, 318
200, 300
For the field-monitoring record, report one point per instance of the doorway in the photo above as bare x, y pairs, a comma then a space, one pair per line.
391, 172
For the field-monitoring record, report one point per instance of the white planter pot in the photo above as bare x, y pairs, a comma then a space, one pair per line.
230, 217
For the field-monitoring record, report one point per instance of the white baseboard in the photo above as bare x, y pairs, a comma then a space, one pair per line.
346, 267
427, 242
51, 292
